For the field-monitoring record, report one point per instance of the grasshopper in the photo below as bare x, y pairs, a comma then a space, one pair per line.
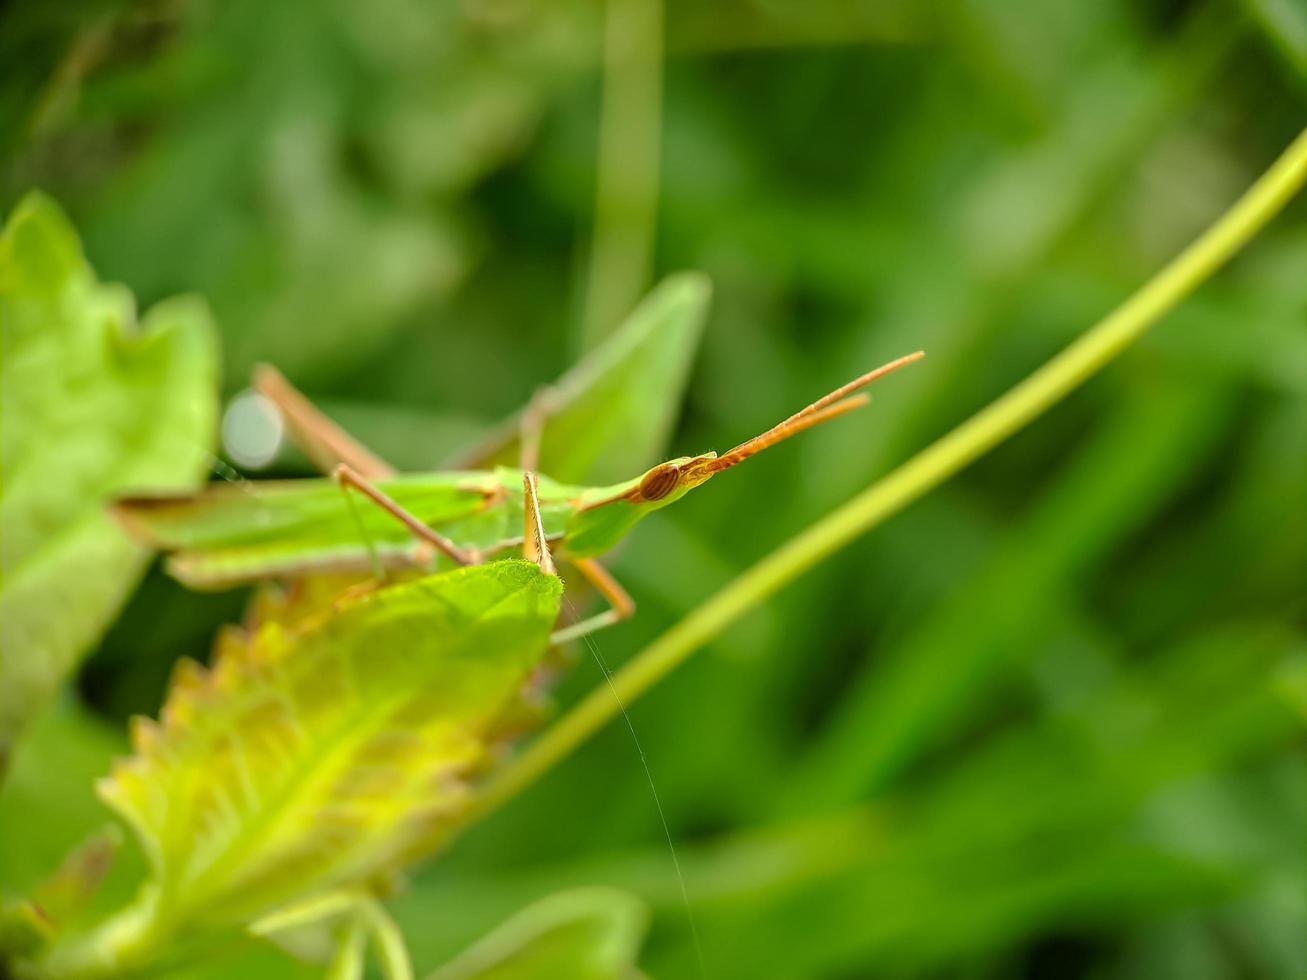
234, 534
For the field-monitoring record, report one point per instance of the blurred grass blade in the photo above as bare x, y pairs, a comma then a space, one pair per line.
1285, 23
626, 184
94, 404
1291, 684
908, 698
611, 414
585, 934
1062, 817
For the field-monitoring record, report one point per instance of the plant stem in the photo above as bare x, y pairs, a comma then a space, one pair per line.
928, 469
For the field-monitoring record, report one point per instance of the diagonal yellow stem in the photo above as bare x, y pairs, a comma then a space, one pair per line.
928, 469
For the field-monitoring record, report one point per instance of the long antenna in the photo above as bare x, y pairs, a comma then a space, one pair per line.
827, 407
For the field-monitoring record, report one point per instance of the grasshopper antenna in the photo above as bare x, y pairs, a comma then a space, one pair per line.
843, 399
663, 480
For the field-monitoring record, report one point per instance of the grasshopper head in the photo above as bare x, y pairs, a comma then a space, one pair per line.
674, 477
669, 481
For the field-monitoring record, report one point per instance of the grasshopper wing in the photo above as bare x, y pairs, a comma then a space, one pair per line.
229, 535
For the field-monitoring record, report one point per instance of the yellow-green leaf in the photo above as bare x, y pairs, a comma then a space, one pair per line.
317, 754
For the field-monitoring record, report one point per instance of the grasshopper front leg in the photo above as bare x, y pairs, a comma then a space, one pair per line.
622, 606
535, 547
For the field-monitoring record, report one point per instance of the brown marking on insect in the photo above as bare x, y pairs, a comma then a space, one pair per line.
659, 482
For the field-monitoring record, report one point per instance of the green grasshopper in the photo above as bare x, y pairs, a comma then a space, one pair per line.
229, 535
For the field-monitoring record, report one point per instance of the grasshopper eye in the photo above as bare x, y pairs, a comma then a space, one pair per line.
659, 481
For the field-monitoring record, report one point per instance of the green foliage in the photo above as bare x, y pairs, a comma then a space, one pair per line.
952, 869
94, 404
586, 934
50, 795
609, 417
317, 755
1037, 724
288, 201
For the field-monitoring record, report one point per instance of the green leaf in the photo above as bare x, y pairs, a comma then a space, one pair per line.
584, 934
1291, 684
94, 404
1285, 24
318, 754
49, 799
23, 929
610, 416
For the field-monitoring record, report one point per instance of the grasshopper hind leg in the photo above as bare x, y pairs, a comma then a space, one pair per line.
324, 442
350, 463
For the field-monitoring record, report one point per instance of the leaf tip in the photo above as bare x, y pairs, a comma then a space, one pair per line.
39, 247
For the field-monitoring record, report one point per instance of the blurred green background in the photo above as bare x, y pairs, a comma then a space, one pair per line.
1041, 724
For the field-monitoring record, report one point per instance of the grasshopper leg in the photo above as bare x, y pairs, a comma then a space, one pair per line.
622, 606
535, 546
321, 439
350, 478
